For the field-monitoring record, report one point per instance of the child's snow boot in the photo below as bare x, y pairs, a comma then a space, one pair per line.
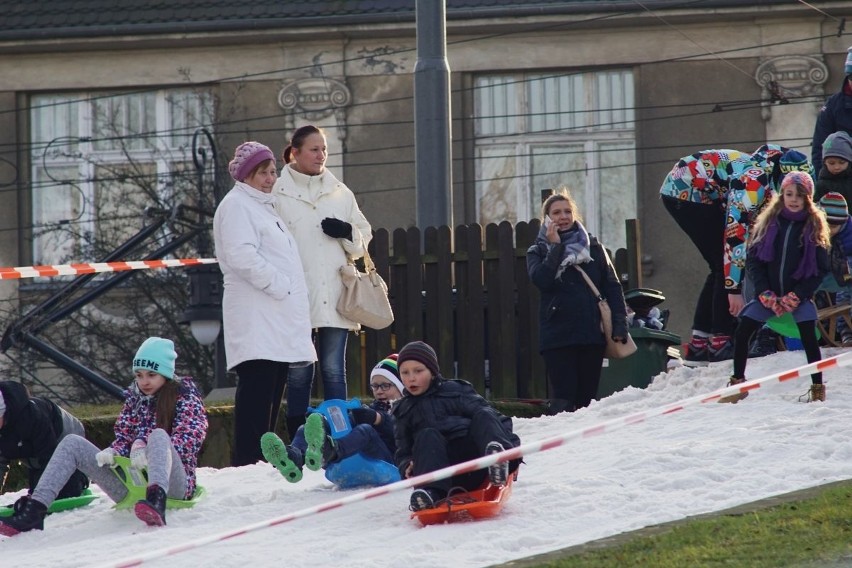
27, 517
498, 473
152, 509
815, 394
425, 498
322, 449
286, 459
736, 397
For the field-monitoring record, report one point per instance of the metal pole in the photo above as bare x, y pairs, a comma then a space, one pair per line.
432, 126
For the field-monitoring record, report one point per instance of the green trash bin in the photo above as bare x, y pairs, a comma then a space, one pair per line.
651, 357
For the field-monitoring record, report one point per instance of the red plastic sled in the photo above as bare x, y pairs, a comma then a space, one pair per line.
483, 503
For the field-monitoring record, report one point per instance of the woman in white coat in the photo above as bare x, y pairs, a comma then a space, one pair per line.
265, 300
324, 217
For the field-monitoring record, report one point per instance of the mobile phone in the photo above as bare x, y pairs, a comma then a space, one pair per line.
547, 221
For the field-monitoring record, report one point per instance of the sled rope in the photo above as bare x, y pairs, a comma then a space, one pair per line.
76, 269
485, 461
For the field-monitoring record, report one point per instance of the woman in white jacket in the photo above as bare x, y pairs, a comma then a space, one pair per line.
329, 228
265, 301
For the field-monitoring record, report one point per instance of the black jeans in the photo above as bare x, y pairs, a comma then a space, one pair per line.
257, 403
432, 451
574, 374
705, 226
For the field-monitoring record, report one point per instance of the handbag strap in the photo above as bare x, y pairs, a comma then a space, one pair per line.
369, 265
591, 284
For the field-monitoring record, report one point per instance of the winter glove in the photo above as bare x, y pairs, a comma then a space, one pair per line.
770, 301
789, 302
138, 455
363, 416
336, 229
105, 457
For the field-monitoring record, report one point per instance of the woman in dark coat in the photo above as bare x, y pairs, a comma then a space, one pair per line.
571, 340
30, 430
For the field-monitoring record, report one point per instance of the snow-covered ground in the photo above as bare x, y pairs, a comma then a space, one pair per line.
705, 458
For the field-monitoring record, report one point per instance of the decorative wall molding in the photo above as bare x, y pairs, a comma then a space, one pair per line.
316, 98
789, 77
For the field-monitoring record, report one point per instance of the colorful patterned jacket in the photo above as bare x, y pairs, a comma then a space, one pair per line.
138, 418
739, 183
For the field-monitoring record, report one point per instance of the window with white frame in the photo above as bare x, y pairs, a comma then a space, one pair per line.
98, 159
538, 131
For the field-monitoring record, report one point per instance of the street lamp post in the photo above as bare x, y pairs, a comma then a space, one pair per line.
204, 312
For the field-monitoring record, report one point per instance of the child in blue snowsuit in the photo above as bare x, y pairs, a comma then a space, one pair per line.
371, 434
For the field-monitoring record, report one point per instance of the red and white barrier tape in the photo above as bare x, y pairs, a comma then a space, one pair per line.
96, 267
480, 463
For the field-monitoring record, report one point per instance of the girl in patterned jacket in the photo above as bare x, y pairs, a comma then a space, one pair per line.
161, 428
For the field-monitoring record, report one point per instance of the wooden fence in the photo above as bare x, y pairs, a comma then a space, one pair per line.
469, 296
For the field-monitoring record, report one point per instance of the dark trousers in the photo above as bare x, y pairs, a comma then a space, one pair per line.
747, 328
705, 226
574, 374
432, 451
257, 403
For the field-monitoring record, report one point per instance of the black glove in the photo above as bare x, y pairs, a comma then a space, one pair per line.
363, 416
336, 229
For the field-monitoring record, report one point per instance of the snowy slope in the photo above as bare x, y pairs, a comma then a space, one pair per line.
706, 458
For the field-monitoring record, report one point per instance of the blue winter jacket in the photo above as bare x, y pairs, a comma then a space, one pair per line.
835, 115
568, 312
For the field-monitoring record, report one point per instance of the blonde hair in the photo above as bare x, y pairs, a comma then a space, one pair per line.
561, 194
816, 219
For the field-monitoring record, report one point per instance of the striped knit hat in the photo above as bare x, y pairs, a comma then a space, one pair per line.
835, 207
422, 353
801, 179
388, 369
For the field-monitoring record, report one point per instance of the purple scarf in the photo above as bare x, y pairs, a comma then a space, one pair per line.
765, 248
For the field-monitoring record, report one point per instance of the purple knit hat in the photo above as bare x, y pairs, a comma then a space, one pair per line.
422, 353
246, 157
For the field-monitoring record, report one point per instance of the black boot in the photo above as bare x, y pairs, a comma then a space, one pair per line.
152, 509
29, 516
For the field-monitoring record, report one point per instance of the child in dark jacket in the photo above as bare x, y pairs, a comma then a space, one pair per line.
160, 428
787, 260
836, 173
840, 227
30, 430
441, 422
371, 434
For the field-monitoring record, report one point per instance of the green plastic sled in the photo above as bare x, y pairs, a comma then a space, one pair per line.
785, 325
136, 488
60, 504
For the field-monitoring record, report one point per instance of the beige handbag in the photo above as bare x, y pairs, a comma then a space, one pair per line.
365, 295
614, 349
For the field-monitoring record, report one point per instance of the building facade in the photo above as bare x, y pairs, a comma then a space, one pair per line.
602, 97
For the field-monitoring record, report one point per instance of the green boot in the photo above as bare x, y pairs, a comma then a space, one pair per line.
285, 459
321, 447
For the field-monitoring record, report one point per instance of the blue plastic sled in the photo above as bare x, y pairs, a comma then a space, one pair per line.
357, 470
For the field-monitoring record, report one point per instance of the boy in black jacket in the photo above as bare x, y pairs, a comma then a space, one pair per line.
30, 430
441, 422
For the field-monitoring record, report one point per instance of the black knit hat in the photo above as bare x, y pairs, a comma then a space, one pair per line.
422, 353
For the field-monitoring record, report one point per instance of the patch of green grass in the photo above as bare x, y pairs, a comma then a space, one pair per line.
812, 532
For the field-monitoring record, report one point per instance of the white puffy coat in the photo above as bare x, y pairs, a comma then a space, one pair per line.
265, 299
303, 202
